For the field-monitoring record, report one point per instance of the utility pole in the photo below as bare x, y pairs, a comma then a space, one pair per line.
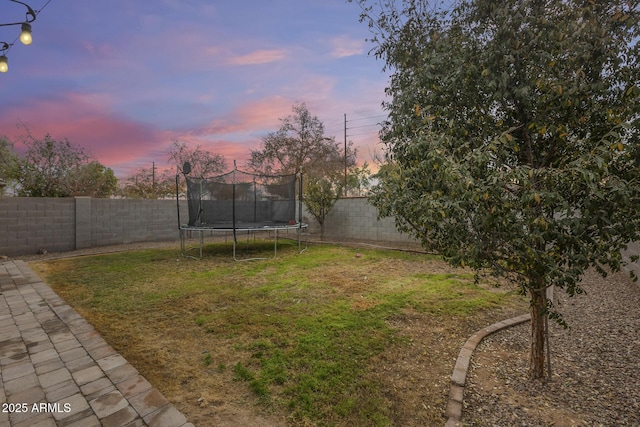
153, 177
345, 154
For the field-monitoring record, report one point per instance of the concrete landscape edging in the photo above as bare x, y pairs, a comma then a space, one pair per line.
461, 368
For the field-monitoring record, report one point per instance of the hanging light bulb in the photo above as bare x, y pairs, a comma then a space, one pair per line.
25, 35
4, 66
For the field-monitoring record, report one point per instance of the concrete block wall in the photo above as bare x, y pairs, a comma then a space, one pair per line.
119, 221
356, 219
28, 224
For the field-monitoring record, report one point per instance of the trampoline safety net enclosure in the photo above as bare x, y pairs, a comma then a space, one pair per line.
239, 201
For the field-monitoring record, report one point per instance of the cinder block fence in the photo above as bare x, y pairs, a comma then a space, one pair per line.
28, 224
353, 218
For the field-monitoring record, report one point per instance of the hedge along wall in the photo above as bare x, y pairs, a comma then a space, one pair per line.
28, 224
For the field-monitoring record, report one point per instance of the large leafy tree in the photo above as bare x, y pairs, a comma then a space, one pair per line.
91, 179
300, 144
513, 134
58, 168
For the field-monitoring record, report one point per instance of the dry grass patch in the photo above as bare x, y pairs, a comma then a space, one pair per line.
319, 338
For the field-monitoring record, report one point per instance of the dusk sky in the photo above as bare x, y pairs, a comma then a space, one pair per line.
125, 78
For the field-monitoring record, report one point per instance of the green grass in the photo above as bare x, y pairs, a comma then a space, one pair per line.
300, 330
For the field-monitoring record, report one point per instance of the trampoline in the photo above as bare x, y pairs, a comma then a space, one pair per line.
241, 202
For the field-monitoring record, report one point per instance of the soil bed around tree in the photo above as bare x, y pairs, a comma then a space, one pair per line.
594, 364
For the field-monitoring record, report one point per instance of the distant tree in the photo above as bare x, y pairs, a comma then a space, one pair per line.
300, 143
358, 180
203, 162
57, 168
145, 183
321, 194
91, 179
43, 170
513, 130
8, 164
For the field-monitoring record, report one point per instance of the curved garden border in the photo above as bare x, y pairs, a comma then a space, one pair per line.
459, 376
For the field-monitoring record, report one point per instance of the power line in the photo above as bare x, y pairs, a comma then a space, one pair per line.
360, 134
342, 126
341, 122
362, 126
42, 8
366, 118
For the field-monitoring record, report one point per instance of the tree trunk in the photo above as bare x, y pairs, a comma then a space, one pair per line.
538, 330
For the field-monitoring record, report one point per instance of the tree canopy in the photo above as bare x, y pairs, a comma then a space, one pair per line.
57, 168
92, 179
148, 183
301, 143
513, 133
203, 163
8, 163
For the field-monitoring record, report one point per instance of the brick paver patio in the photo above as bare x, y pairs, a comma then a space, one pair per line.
56, 370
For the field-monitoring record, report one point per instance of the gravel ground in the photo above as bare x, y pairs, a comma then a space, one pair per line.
596, 375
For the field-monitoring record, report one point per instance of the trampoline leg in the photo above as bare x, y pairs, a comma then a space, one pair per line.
306, 244
183, 245
235, 244
201, 243
275, 243
253, 232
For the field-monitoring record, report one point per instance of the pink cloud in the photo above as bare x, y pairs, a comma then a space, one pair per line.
263, 56
344, 46
104, 49
258, 116
125, 144
86, 121
241, 130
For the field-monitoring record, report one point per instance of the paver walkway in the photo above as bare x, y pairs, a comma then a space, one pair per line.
56, 370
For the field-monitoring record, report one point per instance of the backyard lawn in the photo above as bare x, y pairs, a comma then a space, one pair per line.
333, 336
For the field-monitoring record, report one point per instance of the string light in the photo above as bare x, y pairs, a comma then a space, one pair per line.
4, 65
25, 35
